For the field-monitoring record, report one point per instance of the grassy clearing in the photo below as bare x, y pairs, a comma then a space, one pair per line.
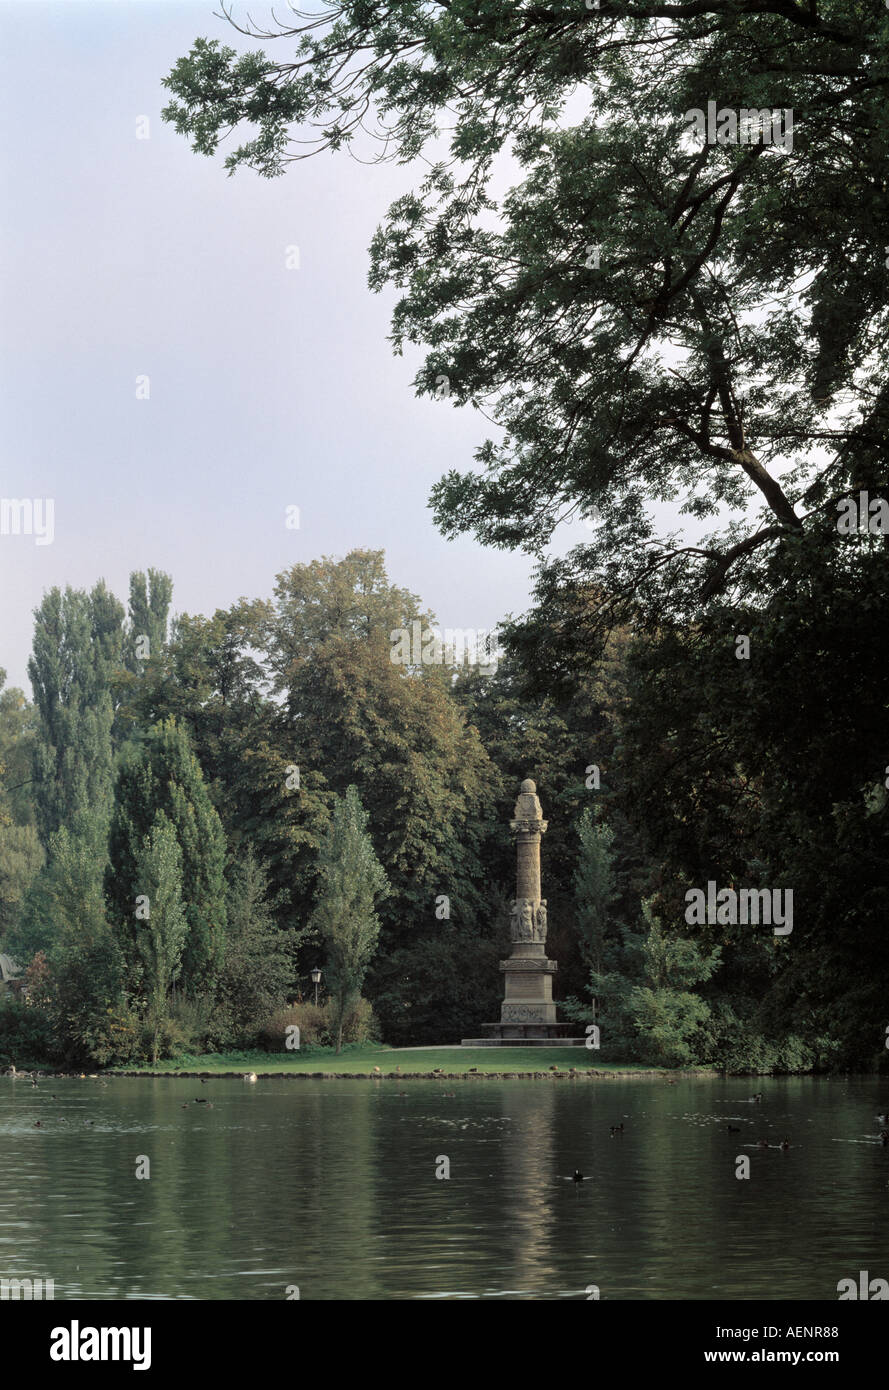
362, 1060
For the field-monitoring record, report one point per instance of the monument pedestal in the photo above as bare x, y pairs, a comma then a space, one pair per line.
529, 985
525, 1035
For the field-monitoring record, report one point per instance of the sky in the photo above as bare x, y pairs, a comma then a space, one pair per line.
124, 258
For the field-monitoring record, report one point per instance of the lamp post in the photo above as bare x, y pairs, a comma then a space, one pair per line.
316, 980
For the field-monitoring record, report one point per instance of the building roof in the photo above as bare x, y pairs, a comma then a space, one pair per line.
8, 968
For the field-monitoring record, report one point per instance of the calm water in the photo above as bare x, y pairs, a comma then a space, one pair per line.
331, 1186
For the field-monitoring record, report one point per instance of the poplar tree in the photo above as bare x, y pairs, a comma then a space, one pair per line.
161, 773
594, 893
149, 607
78, 639
351, 882
162, 927
21, 853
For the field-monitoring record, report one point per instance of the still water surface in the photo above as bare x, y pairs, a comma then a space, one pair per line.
330, 1186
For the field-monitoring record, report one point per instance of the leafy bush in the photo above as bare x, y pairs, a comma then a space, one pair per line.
727, 1042
191, 1023
26, 1031
168, 1035
317, 1025
112, 1038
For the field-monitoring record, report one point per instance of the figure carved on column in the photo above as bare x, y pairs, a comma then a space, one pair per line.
514, 922
526, 924
540, 922
521, 921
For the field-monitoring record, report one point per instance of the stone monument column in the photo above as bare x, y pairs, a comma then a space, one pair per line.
529, 988
527, 1014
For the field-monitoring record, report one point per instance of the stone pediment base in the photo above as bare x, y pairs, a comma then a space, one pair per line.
506, 1034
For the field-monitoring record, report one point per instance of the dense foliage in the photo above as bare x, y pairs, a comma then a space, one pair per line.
151, 923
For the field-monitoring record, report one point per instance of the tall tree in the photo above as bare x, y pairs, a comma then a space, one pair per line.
594, 890
665, 1007
162, 774
149, 608
18, 731
647, 315
352, 881
21, 858
354, 716
770, 771
259, 957
78, 641
212, 679
63, 930
162, 928
21, 854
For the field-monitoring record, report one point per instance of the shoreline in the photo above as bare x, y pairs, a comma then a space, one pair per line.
294, 1075
562, 1074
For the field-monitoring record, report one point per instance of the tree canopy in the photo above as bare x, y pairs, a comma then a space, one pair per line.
646, 319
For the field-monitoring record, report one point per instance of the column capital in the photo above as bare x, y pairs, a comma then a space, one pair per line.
528, 825
528, 815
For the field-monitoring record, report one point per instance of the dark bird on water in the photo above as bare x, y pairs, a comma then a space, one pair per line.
578, 1176
757, 1097
617, 1129
762, 1143
785, 1144
38, 1124
884, 1135
733, 1129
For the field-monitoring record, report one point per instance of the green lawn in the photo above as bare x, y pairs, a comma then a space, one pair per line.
410, 1061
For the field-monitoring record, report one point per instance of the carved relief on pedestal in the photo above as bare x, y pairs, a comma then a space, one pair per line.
522, 1013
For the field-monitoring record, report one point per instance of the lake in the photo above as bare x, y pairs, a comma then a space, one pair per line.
330, 1187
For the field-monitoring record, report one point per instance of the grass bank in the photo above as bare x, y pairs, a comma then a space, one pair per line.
398, 1062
